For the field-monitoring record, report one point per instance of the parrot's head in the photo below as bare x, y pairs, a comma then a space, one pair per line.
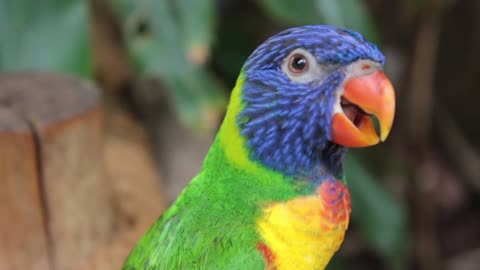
310, 92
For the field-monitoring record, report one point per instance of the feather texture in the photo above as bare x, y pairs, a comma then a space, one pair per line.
267, 196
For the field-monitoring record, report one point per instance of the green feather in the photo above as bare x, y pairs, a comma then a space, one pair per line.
212, 223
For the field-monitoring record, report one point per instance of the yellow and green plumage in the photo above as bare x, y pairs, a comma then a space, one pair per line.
270, 194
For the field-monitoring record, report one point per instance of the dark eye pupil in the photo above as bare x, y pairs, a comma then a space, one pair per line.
299, 63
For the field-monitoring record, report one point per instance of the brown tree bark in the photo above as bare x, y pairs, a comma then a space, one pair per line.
52, 182
23, 238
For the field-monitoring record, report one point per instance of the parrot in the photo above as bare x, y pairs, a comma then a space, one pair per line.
271, 192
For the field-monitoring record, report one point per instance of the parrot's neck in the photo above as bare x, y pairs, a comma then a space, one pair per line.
237, 152
280, 212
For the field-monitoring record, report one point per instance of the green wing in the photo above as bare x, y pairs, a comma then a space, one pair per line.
199, 232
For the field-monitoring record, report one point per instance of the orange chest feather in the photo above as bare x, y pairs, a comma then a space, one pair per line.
305, 232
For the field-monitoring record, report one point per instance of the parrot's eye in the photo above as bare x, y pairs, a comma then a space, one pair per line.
301, 66
298, 64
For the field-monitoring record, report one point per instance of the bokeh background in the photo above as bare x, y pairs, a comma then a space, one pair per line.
169, 66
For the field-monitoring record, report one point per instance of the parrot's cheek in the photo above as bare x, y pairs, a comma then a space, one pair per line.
364, 97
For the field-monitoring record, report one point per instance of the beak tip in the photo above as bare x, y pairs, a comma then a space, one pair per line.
383, 137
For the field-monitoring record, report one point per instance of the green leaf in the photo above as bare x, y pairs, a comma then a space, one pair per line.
197, 18
180, 31
171, 40
351, 14
382, 219
293, 12
45, 35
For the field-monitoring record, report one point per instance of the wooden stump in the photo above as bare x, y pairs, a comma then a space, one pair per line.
22, 229
55, 203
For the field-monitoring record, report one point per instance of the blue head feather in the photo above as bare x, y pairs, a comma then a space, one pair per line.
287, 124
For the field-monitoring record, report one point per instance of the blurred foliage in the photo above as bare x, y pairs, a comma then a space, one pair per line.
54, 36
351, 14
172, 41
381, 218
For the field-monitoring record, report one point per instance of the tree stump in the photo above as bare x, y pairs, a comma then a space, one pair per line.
55, 203
22, 227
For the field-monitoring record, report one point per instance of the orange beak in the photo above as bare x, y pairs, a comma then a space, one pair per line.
364, 97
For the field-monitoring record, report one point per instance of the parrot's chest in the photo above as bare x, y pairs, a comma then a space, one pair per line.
305, 232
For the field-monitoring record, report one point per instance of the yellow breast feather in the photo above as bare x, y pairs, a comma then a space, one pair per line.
305, 232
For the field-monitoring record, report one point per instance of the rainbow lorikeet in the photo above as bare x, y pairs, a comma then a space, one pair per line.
271, 193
